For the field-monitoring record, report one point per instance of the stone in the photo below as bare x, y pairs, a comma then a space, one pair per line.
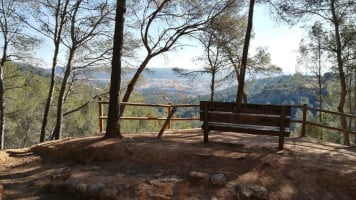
81, 188
119, 175
204, 155
41, 183
62, 174
108, 193
218, 180
95, 189
252, 192
71, 184
198, 177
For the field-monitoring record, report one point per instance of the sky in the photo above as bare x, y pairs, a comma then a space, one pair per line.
281, 41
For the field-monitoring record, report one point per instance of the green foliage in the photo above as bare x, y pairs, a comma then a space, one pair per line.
26, 93
24, 97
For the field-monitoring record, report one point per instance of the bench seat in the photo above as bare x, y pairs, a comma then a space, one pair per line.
258, 119
251, 129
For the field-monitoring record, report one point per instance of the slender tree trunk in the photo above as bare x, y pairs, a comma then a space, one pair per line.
57, 39
241, 80
50, 95
319, 75
113, 122
133, 81
212, 86
2, 106
2, 91
342, 78
349, 93
354, 111
57, 132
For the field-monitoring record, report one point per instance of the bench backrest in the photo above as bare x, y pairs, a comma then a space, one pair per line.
251, 114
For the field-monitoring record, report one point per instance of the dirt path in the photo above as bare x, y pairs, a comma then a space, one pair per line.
180, 166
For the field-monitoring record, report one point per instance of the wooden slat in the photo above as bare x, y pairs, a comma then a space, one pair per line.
246, 118
251, 129
273, 120
245, 108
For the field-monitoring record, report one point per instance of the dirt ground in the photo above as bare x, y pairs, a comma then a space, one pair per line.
180, 166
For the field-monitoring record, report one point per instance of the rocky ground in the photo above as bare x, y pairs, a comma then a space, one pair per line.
180, 166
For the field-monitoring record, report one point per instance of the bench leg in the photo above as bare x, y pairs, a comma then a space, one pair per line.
206, 135
281, 142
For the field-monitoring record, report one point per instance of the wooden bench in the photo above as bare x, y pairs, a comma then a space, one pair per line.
257, 119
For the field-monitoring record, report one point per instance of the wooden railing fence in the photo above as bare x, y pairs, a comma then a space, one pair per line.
171, 109
304, 121
168, 120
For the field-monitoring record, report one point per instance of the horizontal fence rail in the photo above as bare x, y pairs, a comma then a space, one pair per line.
305, 122
171, 108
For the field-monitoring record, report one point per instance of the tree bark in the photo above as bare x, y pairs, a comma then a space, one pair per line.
49, 98
342, 77
212, 86
2, 102
2, 90
241, 80
57, 132
57, 39
133, 81
113, 122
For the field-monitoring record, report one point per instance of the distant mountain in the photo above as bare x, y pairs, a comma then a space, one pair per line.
25, 68
285, 89
152, 81
157, 84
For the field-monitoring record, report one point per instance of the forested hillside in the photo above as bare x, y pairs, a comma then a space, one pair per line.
27, 84
83, 45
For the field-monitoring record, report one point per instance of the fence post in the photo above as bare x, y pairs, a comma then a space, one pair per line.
169, 114
100, 116
166, 123
304, 120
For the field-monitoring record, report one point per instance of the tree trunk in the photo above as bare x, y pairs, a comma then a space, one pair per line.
133, 81
57, 40
241, 80
319, 75
57, 132
212, 86
2, 91
50, 95
2, 106
342, 78
113, 122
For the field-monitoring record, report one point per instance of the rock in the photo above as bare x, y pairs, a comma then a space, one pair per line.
157, 175
42, 183
198, 177
81, 188
95, 189
218, 180
94, 168
172, 178
108, 193
62, 174
252, 192
71, 184
119, 175
204, 155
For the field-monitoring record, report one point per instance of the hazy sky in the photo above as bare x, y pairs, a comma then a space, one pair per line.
281, 41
